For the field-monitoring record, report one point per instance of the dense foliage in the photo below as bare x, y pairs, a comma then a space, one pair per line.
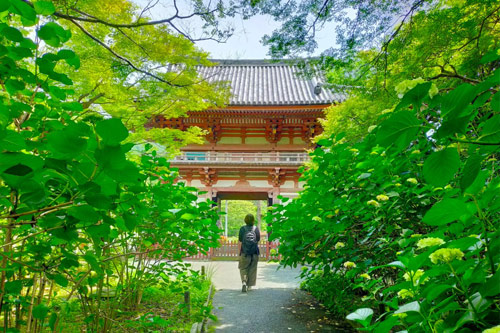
400, 213
409, 215
79, 220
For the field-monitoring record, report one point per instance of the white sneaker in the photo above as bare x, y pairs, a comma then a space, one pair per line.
249, 288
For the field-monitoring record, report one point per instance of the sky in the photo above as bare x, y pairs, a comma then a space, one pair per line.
245, 42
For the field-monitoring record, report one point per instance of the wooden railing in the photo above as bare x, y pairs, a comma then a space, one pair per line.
271, 158
231, 250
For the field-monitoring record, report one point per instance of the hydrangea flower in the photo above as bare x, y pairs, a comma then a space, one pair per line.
495, 329
339, 245
414, 277
446, 256
400, 315
365, 276
405, 293
349, 265
373, 203
429, 241
382, 197
412, 180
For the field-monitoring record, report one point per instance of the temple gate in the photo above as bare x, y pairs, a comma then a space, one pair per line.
255, 145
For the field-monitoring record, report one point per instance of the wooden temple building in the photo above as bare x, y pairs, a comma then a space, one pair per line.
255, 145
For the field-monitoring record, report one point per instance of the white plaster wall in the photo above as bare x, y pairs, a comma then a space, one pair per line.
229, 140
225, 183
288, 184
301, 184
259, 183
197, 183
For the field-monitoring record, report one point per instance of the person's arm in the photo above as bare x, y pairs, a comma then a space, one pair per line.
257, 233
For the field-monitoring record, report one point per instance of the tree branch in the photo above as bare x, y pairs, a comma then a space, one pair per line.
128, 62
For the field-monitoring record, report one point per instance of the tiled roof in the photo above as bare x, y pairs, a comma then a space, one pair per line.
260, 82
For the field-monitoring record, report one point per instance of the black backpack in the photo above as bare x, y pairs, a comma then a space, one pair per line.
249, 243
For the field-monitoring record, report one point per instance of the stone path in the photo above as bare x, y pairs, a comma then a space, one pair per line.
276, 305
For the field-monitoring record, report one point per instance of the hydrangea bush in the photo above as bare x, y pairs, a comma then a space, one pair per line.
409, 215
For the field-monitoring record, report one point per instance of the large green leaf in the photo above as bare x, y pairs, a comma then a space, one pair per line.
415, 96
492, 285
40, 311
470, 171
66, 142
441, 166
112, 131
456, 101
363, 316
44, 7
23, 9
399, 130
12, 34
446, 211
409, 307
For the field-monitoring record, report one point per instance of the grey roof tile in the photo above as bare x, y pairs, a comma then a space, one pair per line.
261, 82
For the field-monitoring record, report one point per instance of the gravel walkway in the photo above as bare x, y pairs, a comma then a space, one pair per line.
275, 305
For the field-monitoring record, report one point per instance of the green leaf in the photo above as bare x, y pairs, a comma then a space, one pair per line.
23, 9
44, 7
48, 34
66, 142
52, 321
492, 285
441, 166
363, 316
13, 287
72, 106
415, 96
12, 34
457, 100
470, 171
4, 5
112, 131
433, 291
409, 307
399, 130
40, 311
84, 213
495, 102
187, 216
70, 57
490, 57
445, 211
14, 86
60, 280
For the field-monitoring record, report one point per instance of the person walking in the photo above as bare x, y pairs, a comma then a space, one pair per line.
249, 237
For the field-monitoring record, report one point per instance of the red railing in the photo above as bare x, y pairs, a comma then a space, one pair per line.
231, 250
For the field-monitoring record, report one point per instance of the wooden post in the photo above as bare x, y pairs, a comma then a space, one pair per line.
203, 270
268, 252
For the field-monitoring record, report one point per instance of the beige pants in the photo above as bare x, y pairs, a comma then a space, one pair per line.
248, 269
